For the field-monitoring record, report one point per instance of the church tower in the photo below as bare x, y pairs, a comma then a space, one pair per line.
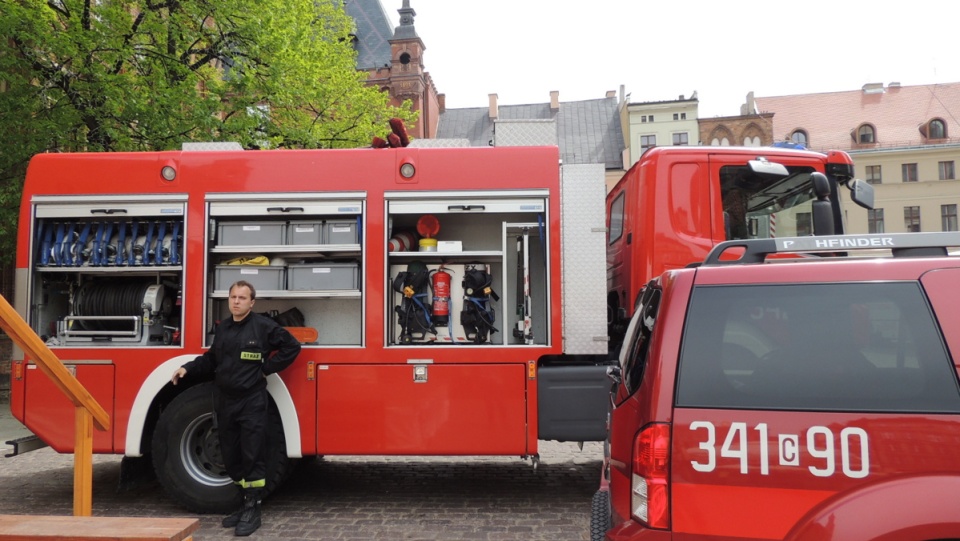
408, 80
393, 59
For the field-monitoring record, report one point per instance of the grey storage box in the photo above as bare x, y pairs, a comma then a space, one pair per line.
250, 233
301, 233
323, 276
340, 231
262, 277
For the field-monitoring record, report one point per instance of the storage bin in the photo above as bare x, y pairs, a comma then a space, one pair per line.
340, 232
301, 233
250, 233
262, 277
323, 276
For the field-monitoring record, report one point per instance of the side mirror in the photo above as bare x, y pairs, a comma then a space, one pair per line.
822, 209
861, 192
613, 372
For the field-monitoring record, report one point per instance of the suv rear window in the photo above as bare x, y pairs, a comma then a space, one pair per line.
872, 347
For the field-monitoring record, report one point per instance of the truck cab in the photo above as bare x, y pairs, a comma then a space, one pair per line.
676, 203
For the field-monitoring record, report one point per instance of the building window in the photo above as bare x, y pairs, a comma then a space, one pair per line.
683, 116
909, 172
680, 139
799, 137
873, 174
647, 141
947, 171
804, 224
676, 116
643, 118
948, 217
866, 135
938, 130
875, 221
911, 219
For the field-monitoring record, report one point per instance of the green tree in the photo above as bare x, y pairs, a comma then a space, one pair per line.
119, 75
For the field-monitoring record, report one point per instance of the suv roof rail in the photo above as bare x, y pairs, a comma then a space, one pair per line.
900, 245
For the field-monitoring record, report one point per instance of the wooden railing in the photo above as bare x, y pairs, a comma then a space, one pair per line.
89, 413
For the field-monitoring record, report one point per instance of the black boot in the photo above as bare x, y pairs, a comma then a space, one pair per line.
231, 520
250, 517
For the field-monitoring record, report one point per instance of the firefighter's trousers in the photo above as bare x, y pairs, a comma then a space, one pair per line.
242, 428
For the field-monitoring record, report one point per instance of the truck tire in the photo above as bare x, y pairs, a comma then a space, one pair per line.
187, 460
600, 515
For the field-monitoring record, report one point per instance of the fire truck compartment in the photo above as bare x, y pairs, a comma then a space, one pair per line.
573, 402
52, 416
420, 408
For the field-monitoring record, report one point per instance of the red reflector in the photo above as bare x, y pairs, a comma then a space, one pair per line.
651, 469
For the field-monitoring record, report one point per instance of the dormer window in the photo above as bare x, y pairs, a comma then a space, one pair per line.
799, 137
937, 129
866, 134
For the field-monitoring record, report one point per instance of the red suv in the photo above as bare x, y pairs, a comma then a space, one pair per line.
796, 397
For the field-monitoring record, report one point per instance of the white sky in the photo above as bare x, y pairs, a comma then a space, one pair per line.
660, 49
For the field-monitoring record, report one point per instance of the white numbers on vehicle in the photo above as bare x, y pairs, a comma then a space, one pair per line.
847, 453
819, 449
738, 432
707, 445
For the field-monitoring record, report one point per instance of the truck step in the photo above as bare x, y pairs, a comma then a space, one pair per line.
25, 445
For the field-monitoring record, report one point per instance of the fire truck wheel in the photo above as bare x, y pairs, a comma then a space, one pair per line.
600, 515
186, 454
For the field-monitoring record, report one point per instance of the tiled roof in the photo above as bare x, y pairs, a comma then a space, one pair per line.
587, 131
373, 33
895, 112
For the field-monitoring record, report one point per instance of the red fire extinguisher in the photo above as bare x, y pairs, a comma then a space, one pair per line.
441, 297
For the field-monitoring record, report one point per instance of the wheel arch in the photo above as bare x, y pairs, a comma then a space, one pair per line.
890, 510
156, 390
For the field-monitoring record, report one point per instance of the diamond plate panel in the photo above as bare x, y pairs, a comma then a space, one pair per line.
584, 259
439, 143
211, 146
524, 133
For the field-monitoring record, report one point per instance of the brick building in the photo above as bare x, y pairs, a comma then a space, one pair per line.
393, 60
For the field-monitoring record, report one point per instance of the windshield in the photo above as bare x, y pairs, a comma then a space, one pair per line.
766, 206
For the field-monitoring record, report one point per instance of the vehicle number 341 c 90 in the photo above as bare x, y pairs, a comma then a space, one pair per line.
820, 450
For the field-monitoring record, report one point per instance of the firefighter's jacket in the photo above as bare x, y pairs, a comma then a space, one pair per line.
242, 354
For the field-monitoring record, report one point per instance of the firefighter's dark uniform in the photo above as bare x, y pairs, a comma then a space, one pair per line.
242, 355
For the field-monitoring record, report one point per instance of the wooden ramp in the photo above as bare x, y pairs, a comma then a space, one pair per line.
41, 527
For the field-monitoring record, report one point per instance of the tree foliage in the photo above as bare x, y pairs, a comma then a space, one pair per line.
118, 75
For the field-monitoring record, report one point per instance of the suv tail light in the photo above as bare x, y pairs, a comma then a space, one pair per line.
650, 495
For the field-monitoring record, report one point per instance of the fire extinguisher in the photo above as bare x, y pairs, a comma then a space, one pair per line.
441, 297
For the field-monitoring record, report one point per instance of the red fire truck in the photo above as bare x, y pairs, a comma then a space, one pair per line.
676, 203
482, 337
124, 261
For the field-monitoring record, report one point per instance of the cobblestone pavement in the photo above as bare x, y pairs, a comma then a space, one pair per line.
355, 498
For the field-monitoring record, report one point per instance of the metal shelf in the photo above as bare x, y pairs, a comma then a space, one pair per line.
284, 294
479, 254
152, 269
289, 249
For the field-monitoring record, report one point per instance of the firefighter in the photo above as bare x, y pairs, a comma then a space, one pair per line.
246, 348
